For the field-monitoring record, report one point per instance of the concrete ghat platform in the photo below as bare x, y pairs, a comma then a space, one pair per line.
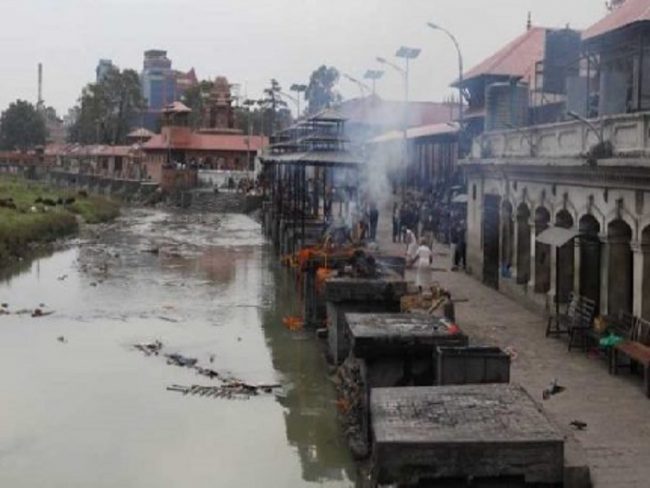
461, 432
377, 335
362, 295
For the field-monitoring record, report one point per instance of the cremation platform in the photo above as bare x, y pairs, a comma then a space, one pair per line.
379, 335
362, 295
461, 432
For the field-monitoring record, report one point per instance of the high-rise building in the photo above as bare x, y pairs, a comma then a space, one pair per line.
158, 82
161, 85
103, 67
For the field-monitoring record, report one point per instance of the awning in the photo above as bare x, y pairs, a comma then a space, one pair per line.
461, 198
557, 236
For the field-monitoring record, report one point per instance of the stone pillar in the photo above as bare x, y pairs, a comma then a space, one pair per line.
605, 251
576, 261
552, 291
515, 247
532, 263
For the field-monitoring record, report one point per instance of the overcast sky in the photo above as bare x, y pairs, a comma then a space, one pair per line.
251, 41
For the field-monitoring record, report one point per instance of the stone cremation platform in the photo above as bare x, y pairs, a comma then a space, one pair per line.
462, 432
379, 335
362, 295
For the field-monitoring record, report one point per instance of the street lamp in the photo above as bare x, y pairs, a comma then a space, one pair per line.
294, 100
362, 86
298, 88
460, 78
406, 53
374, 75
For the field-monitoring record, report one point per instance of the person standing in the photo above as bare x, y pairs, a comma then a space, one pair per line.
396, 229
411, 247
403, 222
424, 260
428, 227
373, 217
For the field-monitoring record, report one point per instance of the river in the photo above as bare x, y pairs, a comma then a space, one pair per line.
80, 407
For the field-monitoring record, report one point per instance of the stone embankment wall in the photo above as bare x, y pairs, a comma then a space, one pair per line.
221, 202
128, 189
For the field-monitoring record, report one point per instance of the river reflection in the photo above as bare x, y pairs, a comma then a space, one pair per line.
91, 411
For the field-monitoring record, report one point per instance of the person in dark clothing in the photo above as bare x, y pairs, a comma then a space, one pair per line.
403, 222
448, 308
428, 228
396, 224
461, 245
373, 217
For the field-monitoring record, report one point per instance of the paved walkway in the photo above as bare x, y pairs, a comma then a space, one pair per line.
617, 438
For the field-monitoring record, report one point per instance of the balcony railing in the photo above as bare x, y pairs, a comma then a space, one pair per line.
628, 134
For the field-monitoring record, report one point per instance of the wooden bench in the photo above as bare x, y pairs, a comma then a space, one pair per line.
576, 322
637, 350
558, 324
582, 323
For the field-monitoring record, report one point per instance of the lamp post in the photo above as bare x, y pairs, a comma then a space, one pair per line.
298, 88
362, 86
406, 53
374, 75
294, 100
461, 118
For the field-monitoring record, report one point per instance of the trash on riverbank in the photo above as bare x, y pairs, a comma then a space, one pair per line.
40, 313
230, 390
149, 349
180, 360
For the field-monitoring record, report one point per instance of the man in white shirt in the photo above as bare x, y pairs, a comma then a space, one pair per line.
424, 260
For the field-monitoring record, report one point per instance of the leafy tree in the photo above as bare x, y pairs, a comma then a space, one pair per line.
320, 92
21, 127
108, 110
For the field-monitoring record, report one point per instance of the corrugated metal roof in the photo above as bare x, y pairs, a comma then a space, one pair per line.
316, 158
516, 59
90, 150
630, 12
557, 236
372, 110
417, 132
210, 142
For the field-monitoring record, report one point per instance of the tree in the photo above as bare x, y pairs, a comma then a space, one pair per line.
21, 127
320, 92
274, 108
195, 97
108, 110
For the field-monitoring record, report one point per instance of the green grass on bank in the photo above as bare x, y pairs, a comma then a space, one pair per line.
34, 222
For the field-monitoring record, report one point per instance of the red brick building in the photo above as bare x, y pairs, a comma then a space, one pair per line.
217, 145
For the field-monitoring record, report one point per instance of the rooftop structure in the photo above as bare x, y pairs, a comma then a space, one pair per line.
371, 116
625, 14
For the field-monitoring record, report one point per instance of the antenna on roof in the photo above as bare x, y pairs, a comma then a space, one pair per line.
39, 102
529, 22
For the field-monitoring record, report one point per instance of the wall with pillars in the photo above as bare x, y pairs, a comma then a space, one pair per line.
613, 264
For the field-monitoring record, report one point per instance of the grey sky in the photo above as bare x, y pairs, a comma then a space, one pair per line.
251, 41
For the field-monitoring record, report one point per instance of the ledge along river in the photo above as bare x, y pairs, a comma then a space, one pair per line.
81, 407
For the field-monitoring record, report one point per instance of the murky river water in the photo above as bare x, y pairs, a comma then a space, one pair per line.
79, 407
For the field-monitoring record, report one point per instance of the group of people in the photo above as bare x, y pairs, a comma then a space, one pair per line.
418, 222
369, 218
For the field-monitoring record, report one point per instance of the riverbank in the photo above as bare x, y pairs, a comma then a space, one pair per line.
33, 216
